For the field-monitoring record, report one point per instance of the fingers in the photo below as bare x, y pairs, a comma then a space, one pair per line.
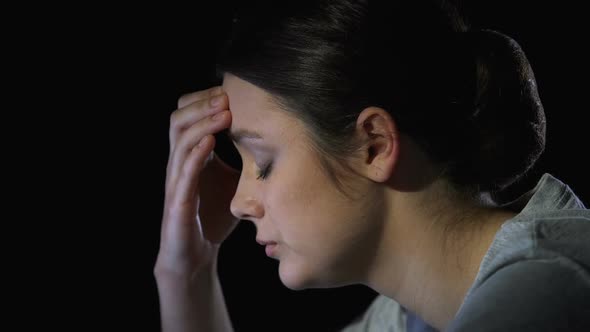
185, 117
188, 125
191, 137
188, 181
190, 98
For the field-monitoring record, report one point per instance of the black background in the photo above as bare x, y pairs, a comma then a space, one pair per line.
115, 75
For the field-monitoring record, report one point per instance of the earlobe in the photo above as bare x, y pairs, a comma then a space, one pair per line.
378, 129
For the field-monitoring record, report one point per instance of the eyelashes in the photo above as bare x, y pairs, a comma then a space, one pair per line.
262, 174
265, 172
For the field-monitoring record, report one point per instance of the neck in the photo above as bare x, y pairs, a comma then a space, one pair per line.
427, 266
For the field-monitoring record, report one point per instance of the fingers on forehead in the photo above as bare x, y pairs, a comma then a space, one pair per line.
190, 98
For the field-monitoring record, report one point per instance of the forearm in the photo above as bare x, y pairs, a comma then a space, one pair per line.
192, 305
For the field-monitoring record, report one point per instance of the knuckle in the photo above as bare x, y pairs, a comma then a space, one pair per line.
174, 119
184, 99
214, 92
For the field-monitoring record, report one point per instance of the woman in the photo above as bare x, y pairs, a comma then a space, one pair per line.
375, 140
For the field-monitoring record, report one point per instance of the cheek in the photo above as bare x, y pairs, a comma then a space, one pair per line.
288, 210
319, 229
292, 201
306, 214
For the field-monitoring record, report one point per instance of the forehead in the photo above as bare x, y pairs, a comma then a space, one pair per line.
253, 109
245, 97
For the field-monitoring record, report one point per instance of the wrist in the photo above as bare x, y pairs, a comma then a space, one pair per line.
173, 276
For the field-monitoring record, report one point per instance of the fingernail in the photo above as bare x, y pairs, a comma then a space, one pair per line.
216, 100
218, 116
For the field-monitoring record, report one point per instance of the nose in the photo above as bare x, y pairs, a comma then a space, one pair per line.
244, 206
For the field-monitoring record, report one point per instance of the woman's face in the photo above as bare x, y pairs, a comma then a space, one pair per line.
323, 239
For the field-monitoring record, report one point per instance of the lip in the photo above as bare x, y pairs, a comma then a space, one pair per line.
265, 242
270, 249
270, 246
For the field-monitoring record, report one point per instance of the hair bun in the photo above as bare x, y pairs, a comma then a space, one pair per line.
509, 120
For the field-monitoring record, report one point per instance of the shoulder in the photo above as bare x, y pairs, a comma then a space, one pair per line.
538, 294
543, 235
557, 236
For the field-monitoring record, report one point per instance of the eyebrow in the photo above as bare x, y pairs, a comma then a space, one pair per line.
238, 135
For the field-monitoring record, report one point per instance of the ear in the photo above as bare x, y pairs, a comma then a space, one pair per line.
380, 154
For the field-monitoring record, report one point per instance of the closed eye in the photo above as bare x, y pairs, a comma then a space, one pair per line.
265, 172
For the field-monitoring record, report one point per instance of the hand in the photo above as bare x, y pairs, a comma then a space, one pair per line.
199, 188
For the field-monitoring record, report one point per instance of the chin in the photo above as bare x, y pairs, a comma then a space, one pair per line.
297, 277
292, 277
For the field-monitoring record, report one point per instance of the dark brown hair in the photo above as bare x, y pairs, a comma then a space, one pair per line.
467, 97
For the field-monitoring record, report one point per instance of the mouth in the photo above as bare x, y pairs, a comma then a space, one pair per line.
270, 249
270, 246
265, 242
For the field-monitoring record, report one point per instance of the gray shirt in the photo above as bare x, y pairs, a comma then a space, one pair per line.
534, 277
